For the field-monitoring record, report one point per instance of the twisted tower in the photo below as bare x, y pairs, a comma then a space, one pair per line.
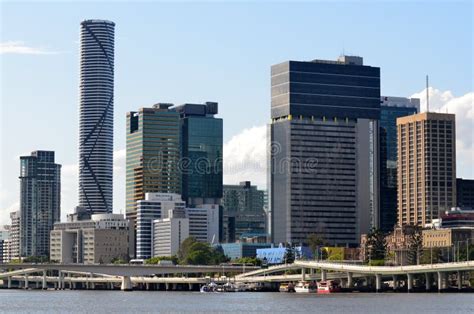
96, 116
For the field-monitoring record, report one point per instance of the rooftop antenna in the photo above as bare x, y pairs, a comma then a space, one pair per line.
427, 96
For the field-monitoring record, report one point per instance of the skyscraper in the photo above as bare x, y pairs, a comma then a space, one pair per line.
391, 109
40, 201
201, 152
96, 116
153, 152
323, 150
426, 167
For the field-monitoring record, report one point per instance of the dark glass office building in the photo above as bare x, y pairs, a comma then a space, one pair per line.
40, 201
243, 214
96, 111
391, 109
201, 153
465, 193
323, 148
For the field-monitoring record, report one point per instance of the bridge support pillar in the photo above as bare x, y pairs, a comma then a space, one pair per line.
173, 286
378, 282
323, 275
167, 286
126, 283
190, 286
44, 281
349, 280
410, 282
9, 284
60, 280
440, 281
427, 281
303, 274
26, 281
311, 271
395, 282
459, 280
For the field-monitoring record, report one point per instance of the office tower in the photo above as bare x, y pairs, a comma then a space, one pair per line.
154, 206
204, 222
201, 152
465, 193
391, 108
426, 167
243, 213
169, 233
323, 157
15, 234
101, 239
40, 201
96, 116
153, 152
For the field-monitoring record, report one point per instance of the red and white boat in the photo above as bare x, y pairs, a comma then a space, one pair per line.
329, 286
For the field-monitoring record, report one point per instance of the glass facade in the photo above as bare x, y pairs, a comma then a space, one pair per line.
40, 201
391, 109
243, 211
201, 152
153, 153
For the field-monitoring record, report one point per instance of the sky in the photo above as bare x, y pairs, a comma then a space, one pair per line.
190, 52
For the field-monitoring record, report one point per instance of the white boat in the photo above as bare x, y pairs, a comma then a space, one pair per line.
305, 287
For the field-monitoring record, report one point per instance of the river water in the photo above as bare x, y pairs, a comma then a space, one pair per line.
38, 301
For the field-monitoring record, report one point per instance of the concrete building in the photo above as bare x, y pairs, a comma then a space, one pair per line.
40, 201
169, 233
4, 240
101, 239
153, 152
426, 167
391, 108
154, 206
14, 241
96, 117
323, 150
204, 222
243, 211
201, 148
447, 237
464, 193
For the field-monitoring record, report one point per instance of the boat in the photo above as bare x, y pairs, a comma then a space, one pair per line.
305, 287
328, 286
287, 287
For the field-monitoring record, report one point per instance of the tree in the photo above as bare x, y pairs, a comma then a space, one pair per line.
375, 246
157, 259
193, 252
184, 247
415, 246
314, 242
431, 256
289, 256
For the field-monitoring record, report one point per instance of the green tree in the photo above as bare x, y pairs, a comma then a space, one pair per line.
375, 246
431, 255
157, 259
197, 253
289, 256
314, 242
184, 247
415, 247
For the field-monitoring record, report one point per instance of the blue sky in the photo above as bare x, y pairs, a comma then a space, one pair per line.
195, 52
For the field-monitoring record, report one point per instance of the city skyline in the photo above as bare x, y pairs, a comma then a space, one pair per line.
55, 57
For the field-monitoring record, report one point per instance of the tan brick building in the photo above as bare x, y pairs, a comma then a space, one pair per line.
447, 237
426, 167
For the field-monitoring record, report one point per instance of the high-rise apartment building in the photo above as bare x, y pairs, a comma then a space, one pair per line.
391, 108
426, 167
40, 201
153, 152
96, 116
243, 211
201, 152
323, 150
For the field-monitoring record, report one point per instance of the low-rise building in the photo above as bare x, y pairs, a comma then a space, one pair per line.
276, 255
447, 237
242, 249
169, 233
101, 239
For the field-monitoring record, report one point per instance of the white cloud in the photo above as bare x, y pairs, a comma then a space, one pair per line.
245, 157
463, 108
19, 47
5, 213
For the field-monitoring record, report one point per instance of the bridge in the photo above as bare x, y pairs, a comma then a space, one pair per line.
347, 272
169, 276
127, 275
